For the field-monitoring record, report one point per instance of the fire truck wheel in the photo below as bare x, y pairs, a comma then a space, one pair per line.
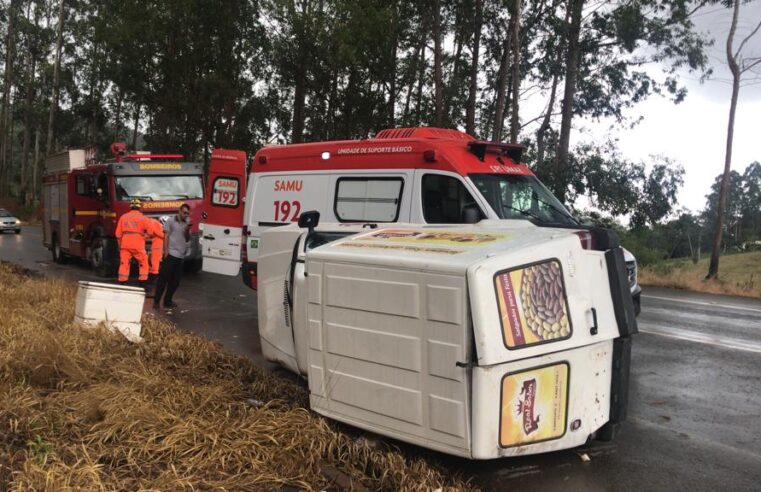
98, 258
58, 255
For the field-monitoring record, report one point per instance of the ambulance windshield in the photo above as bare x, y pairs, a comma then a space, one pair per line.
159, 187
521, 197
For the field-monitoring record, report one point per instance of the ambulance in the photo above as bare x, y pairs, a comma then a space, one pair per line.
430, 288
415, 175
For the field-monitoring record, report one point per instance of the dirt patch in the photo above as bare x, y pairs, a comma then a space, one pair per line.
83, 409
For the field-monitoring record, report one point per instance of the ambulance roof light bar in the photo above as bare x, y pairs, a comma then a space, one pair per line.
480, 148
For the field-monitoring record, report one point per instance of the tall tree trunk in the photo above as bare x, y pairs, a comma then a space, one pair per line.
541, 133
437, 76
391, 105
499, 112
515, 41
135, 126
470, 114
412, 71
572, 63
299, 101
27, 139
713, 267
300, 89
56, 77
118, 115
452, 111
7, 88
420, 80
545, 125
37, 164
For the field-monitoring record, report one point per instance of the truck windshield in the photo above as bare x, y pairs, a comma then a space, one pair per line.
521, 197
159, 187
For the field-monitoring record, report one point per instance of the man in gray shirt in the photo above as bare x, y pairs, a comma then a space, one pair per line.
176, 237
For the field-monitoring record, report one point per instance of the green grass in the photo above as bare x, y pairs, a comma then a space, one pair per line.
739, 274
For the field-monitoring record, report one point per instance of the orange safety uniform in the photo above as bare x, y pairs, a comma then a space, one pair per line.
131, 231
157, 244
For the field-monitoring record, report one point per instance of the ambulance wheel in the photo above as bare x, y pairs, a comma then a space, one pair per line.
98, 258
58, 255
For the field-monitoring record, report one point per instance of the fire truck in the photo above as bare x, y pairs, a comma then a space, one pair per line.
83, 200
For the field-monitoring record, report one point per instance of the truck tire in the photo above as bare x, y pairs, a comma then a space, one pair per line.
99, 258
18, 231
58, 255
607, 432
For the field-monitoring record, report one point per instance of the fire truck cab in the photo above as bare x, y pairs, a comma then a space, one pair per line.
83, 200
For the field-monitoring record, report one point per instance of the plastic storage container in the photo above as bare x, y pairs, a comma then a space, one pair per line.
119, 307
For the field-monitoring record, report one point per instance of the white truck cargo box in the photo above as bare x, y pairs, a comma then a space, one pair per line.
480, 341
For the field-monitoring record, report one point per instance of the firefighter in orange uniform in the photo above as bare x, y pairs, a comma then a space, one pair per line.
157, 245
131, 231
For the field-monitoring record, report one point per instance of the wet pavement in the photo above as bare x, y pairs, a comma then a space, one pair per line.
694, 402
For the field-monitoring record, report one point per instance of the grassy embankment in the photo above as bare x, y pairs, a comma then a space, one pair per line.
83, 409
739, 274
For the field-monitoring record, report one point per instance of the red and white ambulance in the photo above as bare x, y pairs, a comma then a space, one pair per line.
415, 175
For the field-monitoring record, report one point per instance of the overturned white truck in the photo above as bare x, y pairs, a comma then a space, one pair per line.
487, 340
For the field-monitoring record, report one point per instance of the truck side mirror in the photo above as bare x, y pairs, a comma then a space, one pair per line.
310, 220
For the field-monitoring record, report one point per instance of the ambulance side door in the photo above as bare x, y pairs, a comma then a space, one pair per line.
222, 225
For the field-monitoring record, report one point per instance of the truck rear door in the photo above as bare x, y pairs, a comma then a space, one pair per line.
223, 212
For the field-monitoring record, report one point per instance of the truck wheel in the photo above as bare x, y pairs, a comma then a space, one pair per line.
58, 255
607, 432
18, 231
98, 258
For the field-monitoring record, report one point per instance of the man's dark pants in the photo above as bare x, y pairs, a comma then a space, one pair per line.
169, 279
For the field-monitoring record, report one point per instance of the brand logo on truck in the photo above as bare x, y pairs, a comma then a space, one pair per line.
374, 150
174, 204
526, 406
160, 166
288, 185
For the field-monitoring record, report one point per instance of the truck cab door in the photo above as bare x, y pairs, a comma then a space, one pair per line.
222, 227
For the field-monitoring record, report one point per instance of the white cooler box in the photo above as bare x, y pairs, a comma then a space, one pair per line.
472, 341
120, 307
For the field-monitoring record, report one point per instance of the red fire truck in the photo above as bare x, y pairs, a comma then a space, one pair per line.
83, 200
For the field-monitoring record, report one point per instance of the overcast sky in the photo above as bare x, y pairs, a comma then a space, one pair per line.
694, 132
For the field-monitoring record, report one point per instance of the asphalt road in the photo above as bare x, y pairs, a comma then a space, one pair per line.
694, 404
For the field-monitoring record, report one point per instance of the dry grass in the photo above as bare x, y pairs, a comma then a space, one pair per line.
739, 275
83, 409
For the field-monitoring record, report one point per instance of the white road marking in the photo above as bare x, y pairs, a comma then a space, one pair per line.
693, 336
703, 303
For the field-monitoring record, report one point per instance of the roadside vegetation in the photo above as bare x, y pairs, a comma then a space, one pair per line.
740, 275
83, 409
